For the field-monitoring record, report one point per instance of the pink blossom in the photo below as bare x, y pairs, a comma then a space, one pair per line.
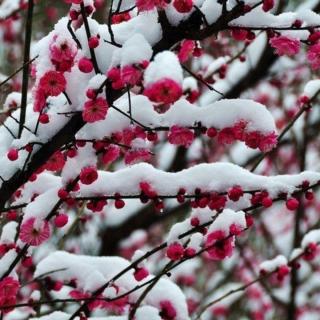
239, 34
183, 6
292, 204
268, 142
136, 155
164, 91
147, 189
121, 17
39, 100
128, 135
119, 203
220, 246
226, 136
34, 232
239, 130
235, 193
131, 75
186, 50
62, 54
56, 162
181, 136
146, 5
88, 175
253, 139
96, 205
52, 83
267, 5
265, 143
85, 65
311, 251
13, 154
94, 42
111, 154
217, 202
285, 45
282, 272
114, 306
168, 312
61, 220
9, 288
313, 56
192, 95
141, 273
114, 74
175, 251
95, 110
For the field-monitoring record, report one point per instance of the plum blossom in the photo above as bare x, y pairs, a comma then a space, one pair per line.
168, 311
136, 155
164, 91
35, 232
285, 45
9, 288
313, 56
147, 5
62, 53
181, 136
95, 110
88, 175
111, 154
183, 6
175, 251
219, 245
114, 74
52, 83
268, 5
131, 75
56, 162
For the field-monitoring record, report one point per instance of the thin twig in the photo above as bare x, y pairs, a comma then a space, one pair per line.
88, 33
17, 71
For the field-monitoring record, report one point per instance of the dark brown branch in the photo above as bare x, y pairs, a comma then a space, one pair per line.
26, 59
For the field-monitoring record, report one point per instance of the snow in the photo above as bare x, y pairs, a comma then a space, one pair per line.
6, 261
296, 253
92, 272
136, 39
135, 50
216, 177
212, 115
272, 265
146, 23
143, 313
212, 10
147, 312
137, 255
96, 81
190, 83
311, 88
43, 205
225, 302
188, 268
165, 65
259, 18
312, 236
216, 65
227, 218
13, 99
8, 233
7, 7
